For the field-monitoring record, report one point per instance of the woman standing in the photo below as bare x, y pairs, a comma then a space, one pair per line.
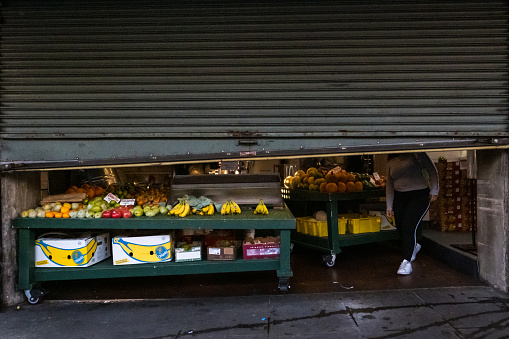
412, 183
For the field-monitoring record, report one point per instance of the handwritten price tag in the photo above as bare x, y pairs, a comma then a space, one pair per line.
127, 202
111, 197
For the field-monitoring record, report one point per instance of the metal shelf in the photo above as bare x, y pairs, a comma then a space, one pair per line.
333, 243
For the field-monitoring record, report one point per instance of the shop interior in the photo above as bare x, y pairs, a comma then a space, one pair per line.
448, 257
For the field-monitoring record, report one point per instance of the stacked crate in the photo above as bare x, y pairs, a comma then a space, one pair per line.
454, 210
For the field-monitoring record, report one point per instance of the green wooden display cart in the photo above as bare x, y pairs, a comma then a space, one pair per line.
280, 221
333, 243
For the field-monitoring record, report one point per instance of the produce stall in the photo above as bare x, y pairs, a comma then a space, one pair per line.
299, 200
279, 222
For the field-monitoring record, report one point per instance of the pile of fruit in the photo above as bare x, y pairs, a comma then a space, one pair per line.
90, 191
230, 207
93, 209
261, 208
332, 181
128, 204
141, 194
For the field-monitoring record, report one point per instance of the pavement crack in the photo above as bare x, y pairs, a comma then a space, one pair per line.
348, 309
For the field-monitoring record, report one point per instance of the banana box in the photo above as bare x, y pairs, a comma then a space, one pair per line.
72, 251
142, 250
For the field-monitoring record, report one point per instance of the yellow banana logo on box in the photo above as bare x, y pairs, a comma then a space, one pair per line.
68, 257
145, 253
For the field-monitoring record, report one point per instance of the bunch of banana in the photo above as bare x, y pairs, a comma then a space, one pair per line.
230, 207
208, 210
181, 209
261, 208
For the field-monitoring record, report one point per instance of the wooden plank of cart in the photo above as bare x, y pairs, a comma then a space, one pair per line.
331, 244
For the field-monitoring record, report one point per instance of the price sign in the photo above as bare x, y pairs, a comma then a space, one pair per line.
111, 197
376, 176
127, 202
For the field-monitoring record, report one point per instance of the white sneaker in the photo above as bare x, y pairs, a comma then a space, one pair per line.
417, 248
405, 267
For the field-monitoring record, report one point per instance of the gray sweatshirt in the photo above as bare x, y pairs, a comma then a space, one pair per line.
404, 173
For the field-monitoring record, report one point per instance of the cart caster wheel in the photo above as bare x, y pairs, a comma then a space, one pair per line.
284, 285
34, 296
329, 260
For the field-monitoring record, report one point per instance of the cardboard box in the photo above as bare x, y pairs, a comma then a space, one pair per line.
72, 250
192, 252
385, 224
223, 252
261, 251
129, 250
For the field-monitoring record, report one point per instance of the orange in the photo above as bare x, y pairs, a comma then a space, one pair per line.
331, 187
323, 187
342, 177
341, 187
58, 215
358, 186
330, 177
50, 214
350, 177
98, 191
350, 186
64, 209
65, 215
90, 193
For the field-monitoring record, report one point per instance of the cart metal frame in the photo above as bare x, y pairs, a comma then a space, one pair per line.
333, 243
30, 277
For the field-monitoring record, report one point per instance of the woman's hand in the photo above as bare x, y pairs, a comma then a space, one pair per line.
432, 198
389, 213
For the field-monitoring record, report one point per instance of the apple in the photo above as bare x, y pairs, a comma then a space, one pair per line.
126, 214
138, 212
106, 214
115, 213
98, 215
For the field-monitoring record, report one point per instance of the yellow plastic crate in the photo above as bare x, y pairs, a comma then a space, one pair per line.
364, 225
318, 228
342, 222
301, 224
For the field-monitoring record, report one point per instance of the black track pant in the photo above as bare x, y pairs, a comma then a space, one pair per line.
409, 209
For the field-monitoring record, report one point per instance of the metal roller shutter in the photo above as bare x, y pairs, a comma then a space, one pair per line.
98, 82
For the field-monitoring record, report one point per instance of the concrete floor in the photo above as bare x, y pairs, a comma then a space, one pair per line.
444, 312
360, 297
358, 268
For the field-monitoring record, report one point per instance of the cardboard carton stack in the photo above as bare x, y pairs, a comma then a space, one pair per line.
455, 207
